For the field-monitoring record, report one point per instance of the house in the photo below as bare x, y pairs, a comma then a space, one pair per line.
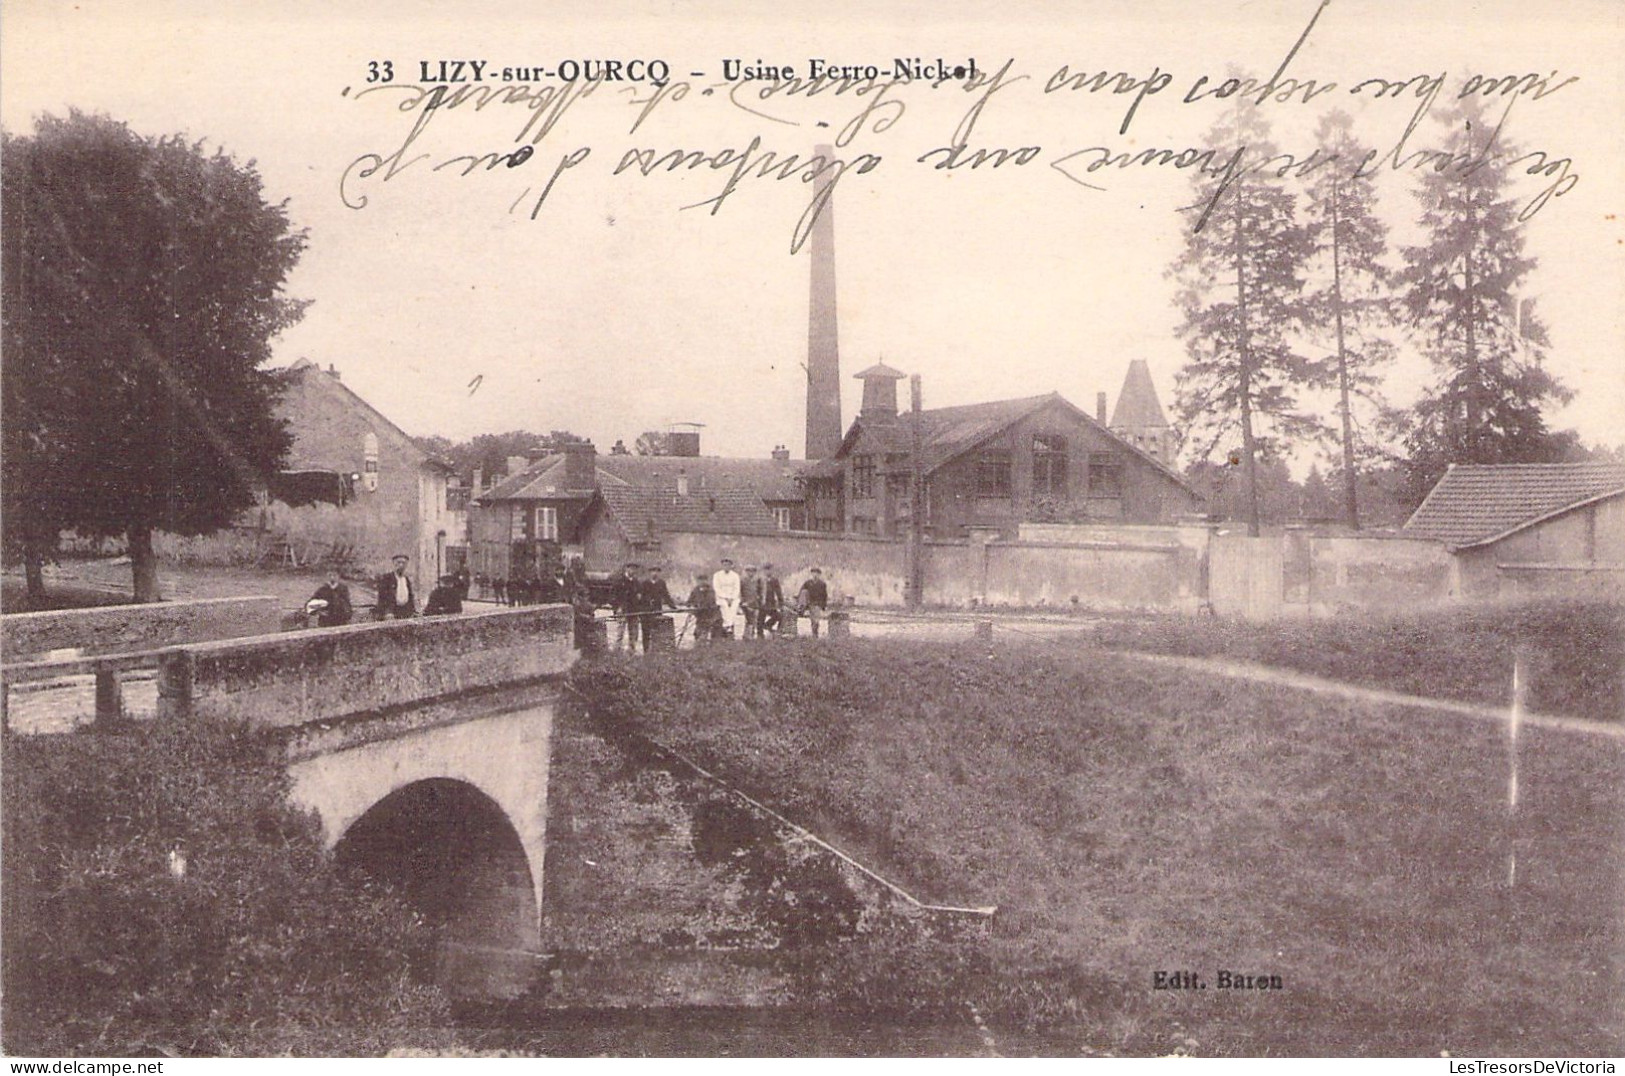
391, 494
625, 523
1522, 528
773, 480
578, 502
988, 467
530, 518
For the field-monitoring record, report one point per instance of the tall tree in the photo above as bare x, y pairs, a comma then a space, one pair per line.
142, 286
1461, 290
1241, 279
1350, 300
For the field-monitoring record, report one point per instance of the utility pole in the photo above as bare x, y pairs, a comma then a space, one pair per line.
916, 522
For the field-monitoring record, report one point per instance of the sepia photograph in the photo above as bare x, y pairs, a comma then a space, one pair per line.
863, 530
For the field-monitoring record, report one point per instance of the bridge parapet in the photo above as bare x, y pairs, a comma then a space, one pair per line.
326, 674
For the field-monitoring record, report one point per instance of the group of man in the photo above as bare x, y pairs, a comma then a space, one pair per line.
396, 599
722, 604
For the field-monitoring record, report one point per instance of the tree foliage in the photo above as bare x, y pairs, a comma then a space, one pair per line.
653, 443
1240, 292
1461, 293
489, 452
143, 284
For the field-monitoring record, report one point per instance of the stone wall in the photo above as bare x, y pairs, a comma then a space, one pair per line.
326, 673
1377, 573
120, 629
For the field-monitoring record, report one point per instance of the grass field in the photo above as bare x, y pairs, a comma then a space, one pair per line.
1129, 820
1574, 651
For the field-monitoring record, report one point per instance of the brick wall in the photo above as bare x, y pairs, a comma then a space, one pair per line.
120, 629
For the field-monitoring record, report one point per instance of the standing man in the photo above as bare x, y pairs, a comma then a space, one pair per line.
725, 584
653, 597
772, 602
702, 605
623, 592
814, 599
750, 600
396, 598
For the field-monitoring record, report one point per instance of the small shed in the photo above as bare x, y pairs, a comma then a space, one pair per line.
1522, 529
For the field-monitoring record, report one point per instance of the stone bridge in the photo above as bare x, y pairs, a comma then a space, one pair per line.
423, 746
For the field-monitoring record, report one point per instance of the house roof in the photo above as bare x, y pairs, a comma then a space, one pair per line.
304, 369
1137, 403
543, 480
950, 432
641, 512
1477, 504
769, 479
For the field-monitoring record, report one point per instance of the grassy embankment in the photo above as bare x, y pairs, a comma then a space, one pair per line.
1574, 650
1130, 819
259, 946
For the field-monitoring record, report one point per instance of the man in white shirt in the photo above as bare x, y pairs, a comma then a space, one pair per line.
396, 599
726, 585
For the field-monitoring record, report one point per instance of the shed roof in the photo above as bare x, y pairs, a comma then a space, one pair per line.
1475, 504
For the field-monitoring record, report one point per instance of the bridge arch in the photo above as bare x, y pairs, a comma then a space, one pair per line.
452, 852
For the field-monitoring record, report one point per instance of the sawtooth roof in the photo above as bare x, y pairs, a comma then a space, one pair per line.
1475, 504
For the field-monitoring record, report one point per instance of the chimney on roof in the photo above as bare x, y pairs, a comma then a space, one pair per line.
479, 480
334, 371
781, 453
682, 483
1100, 408
580, 465
823, 338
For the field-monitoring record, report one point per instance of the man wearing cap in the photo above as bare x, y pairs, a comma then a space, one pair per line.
446, 599
652, 598
725, 584
814, 599
772, 602
396, 599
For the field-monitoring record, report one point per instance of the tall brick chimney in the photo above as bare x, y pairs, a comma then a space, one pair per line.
1100, 408
823, 339
580, 465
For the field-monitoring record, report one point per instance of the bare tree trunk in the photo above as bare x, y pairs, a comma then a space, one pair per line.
143, 563
1249, 447
1351, 498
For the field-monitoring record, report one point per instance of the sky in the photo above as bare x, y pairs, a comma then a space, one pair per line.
461, 304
